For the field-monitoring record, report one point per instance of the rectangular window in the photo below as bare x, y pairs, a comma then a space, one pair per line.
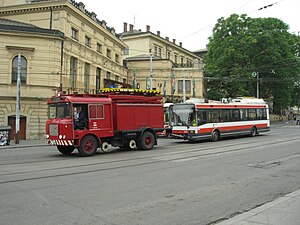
235, 115
98, 77
108, 53
108, 75
73, 72
87, 41
187, 86
159, 52
155, 50
225, 115
168, 55
99, 48
117, 78
86, 77
213, 116
74, 33
96, 111
243, 114
117, 58
176, 59
201, 117
251, 114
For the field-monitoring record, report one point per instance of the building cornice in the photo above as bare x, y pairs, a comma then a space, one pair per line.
68, 5
139, 34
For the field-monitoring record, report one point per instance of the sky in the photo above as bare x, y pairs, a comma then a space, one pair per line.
190, 22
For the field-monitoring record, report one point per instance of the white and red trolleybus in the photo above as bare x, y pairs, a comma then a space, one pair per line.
196, 120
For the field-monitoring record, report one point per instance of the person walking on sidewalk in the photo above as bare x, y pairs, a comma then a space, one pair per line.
298, 119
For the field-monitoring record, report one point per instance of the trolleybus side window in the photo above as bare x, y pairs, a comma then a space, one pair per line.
261, 114
201, 117
225, 115
235, 115
213, 116
252, 114
243, 114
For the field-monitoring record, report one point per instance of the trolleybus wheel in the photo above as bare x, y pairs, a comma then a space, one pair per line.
215, 136
147, 141
88, 146
253, 131
66, 150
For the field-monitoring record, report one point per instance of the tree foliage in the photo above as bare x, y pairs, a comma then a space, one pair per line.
241, 45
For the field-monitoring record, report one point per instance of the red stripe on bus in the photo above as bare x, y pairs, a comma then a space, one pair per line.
232, 128
230, 106
223, 129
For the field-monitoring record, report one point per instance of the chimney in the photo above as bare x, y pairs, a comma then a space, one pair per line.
180, 44
167, 38
130, 27
125, 27
148, 28
174, 40
158, 33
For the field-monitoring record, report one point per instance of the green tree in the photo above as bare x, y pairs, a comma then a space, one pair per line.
241, 45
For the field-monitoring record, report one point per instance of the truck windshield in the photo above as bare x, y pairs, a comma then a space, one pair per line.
59, 110
182, 114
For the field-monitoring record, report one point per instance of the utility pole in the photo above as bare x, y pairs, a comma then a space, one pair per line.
150, 69
18, 100
183, 89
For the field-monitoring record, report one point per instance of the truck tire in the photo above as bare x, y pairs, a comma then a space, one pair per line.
66, 150
147, 141
88, 146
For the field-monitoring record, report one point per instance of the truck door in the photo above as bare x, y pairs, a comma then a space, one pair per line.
100, 118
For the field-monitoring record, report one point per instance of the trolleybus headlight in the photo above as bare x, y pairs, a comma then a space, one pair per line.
191, 131
60, 136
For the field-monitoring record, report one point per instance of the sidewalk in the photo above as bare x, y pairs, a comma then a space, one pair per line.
24, 144
282, 211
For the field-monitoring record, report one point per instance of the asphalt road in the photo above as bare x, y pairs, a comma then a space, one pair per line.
176, 183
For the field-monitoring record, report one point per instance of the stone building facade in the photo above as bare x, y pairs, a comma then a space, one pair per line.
63, 47
159, 63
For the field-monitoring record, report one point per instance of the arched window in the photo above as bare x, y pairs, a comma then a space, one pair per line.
23, 71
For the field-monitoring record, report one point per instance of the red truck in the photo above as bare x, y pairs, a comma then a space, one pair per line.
124, 118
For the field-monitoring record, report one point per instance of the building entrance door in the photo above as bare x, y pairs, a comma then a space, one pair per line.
22, 131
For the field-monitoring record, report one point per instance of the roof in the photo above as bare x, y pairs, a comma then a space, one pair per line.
8, 22
16, 26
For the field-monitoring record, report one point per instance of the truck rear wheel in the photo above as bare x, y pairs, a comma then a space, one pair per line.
88, 146
66, 150
147, 141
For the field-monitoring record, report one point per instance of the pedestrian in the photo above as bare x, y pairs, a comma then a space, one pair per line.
298, 119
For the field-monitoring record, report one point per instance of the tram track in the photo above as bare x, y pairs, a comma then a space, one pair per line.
138, 161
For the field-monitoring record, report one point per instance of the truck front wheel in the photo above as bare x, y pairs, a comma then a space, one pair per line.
66, 150
88, 146
147, 141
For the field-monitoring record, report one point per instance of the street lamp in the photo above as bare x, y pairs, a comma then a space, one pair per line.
256, 74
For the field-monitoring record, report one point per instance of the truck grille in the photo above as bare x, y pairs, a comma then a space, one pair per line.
53, 129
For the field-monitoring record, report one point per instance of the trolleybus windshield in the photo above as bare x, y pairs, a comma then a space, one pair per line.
183, 114
59, 110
